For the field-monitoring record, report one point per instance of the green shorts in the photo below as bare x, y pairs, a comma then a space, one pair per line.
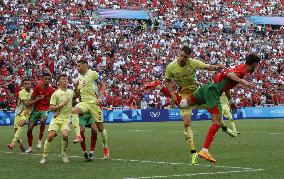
37, 115
209, 94
86, 120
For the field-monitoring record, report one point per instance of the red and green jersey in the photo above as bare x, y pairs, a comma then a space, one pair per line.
42, 105
225, 83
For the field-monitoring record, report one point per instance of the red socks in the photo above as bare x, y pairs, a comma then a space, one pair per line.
166, 92
41, 131
30, 138
83, 143
210, 135
93, 141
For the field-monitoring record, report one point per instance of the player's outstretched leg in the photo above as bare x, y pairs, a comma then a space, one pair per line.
83, 143
75, 123
64, 146
48, 140
103, 134
41, 131
157, 85
204, 153
233, 125
30, 138
17, 137
93, 141
227, 130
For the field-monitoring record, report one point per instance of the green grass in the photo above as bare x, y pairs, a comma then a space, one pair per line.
259, 146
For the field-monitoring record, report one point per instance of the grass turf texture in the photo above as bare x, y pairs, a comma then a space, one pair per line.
259, 146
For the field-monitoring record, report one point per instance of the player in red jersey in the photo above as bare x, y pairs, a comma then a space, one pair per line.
210, 93
40, 111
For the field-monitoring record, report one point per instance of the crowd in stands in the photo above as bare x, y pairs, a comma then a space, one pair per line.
38, 35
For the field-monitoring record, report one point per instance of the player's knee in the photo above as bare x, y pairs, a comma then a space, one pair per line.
100, 127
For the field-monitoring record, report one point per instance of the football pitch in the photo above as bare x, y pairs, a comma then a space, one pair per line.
156, 150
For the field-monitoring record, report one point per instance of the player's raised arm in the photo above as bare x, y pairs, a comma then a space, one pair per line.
168, 82
76, 89
235, 78
101, 91
29, 103
213, 67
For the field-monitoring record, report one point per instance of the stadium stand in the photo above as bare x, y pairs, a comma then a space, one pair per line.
38, 36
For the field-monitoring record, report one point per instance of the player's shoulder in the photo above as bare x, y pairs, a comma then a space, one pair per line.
172, 64
193, 61
91, 71
57, 91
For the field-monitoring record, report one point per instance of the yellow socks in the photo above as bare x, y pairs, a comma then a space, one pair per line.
17, 136
189, 138
104, 137
75, 123
232, 123
46, 148
64, 146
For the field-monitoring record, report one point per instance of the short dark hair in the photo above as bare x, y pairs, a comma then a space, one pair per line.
82, 61
251, 59
186, 49
26, 79
46, 74
62, 75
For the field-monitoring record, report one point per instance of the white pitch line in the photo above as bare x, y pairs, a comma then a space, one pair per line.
146, 161
275, 133
196, 174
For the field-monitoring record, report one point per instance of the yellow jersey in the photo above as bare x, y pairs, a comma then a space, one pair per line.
184, 76
224, 100
21, 108
88, 87
58, 97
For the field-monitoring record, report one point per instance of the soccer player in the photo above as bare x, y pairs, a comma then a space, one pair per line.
40, 111
61, 105
91, 97
183, 70
87, 120
22, 112
226, 113
210, 93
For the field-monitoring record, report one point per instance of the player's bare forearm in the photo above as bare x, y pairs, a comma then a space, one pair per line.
214, 67
235, 78
77, 92
29, 103
103, 88
55, 108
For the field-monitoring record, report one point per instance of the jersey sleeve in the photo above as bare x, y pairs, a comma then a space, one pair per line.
198, 64
95, 75
53, 99
168, 73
